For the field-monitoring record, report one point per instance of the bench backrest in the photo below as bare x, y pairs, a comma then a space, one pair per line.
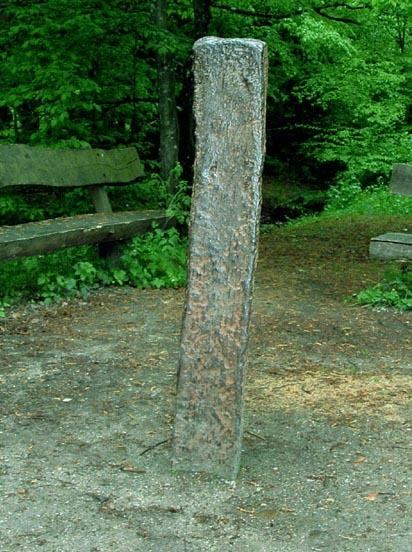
22, 165
401, 179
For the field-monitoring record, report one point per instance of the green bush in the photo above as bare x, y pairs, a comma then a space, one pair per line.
33, 278
349, 198
15, 209
343, 195
85, 277
156, 259
4, 305
394, 291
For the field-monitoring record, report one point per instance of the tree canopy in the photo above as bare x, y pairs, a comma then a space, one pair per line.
101, 73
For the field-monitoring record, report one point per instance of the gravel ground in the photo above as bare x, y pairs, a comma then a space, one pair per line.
86, 416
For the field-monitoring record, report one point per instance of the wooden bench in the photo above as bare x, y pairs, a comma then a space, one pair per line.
22, 165
395, 245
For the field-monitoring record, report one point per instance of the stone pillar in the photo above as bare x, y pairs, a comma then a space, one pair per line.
230, 104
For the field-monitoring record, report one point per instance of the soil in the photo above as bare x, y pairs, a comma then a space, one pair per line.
87, 401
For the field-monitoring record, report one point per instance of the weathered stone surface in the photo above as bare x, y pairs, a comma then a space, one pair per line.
391, 246
401, 179
230, 101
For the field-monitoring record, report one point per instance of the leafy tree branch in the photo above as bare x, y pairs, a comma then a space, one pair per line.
253, 13
319, 10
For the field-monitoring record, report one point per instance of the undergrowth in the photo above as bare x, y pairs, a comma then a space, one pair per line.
156, 259
349, 200
395, 290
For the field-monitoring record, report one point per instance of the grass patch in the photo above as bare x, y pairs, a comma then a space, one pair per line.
351, 218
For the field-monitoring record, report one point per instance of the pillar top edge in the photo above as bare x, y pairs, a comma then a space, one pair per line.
217, 41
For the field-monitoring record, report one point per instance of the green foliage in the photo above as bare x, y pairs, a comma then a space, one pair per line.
339, 93
31, 204
343, 195
27, 278
157, 259
4, 305
362, 108
72, 72
178, 204
153, 193
82, 72
394, 291
15, 208
85, 277
349, 197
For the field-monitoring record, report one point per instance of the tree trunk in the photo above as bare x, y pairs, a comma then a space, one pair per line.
167, 104
201, 21
202, 16
230, 100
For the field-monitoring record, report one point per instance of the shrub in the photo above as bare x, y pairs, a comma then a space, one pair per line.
394, 291
349, 198
156, 259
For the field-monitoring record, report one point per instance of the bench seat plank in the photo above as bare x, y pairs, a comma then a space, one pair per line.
391, 246
35, 238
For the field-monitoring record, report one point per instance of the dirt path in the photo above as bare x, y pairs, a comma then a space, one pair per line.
86, 414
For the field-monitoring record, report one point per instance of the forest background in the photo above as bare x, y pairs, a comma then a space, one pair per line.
94, 73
